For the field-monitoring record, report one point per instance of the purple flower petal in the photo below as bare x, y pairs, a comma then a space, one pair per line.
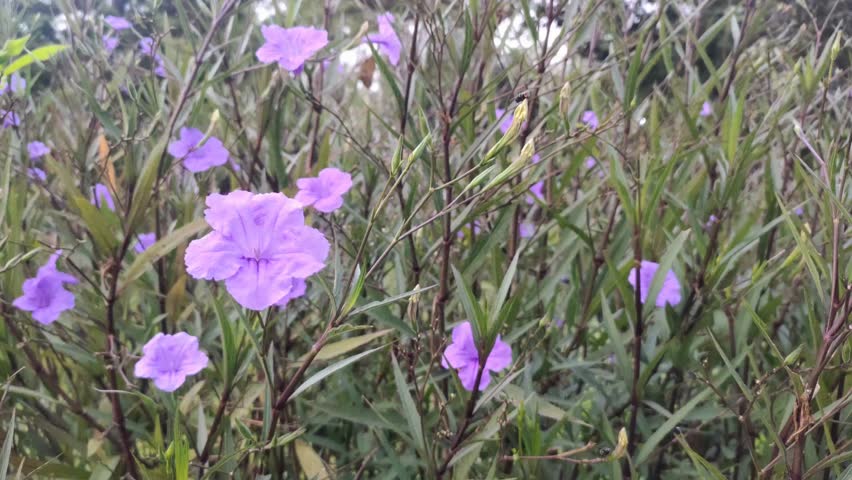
144, 241
706, 109
37, 174
386, 40
325, 192
14, 84
670, 291
44, 295
537, 190
259, 246
110, 43
198, 158
117, 23
169, 359
37, 149
526, 229
290, 47
463, 356
10, 118
590, 118
102, 196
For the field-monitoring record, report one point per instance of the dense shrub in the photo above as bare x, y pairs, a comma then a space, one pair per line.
479, 239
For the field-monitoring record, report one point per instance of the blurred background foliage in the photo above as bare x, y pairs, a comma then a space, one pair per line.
745, 378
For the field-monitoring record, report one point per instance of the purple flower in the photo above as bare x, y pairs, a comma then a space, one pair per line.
44, 294
799, 211
711, 220
117, 23
669, 293
144, 241
706, 109
169, 359
290, 47
590, 118
37, 174
37, 150
387, 40
324, 192
259, 246
537, 190
146, 46
463, 356
195, 157
101, 195
536, 158
591, 163
14, 84
110, 43
526, 229
10, 118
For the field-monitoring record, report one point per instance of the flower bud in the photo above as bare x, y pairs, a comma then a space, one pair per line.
565, 98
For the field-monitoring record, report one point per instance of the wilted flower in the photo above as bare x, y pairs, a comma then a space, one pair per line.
144, 240
169, 359
386, 40
101, 196
706, 109
14, 84
37, 150
590, 118
537, 190
117, 23
325, 192
290, 47
259, 246
110, 43
526, 229
37, 174
670, 291
10, 118
146, 46
44, 294
463, 356
195, 157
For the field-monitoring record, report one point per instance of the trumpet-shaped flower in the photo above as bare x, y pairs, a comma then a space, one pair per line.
169, 359
260, 246
117, 23
463, 356
44, 294
37, 150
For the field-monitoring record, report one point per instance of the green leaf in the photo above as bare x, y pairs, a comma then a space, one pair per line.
40, 54
335, 349
162, 247
14, 47
7, 447
409, 410
325, 372
311, 463
143, 190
